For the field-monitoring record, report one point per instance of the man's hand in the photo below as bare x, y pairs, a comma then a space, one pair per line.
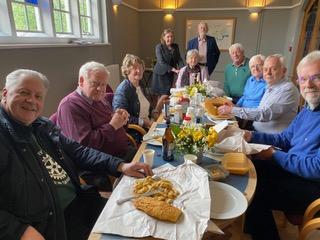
136, 169
247, 135
147, 122
265, 154
119, 119
31, 234
225, 109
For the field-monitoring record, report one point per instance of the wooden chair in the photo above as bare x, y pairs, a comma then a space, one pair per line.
310, 222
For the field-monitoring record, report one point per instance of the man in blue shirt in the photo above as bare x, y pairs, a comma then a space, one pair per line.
255, 86
289, 173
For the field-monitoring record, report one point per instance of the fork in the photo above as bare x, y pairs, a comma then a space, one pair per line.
146, 194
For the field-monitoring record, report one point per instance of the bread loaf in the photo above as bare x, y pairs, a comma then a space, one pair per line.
211, 104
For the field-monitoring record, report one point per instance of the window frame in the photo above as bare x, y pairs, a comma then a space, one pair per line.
9, 37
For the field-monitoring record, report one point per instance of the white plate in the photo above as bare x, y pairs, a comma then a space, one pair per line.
158, 132
228, 202
218, 118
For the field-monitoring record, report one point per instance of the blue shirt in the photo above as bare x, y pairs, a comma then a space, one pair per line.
253, 92
300, 144
277, 108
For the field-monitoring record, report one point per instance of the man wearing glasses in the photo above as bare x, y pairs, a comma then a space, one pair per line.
87, 117
279, 104
289, 173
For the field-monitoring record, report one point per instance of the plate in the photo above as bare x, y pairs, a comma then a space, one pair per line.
228, 202
213, 118
154, 137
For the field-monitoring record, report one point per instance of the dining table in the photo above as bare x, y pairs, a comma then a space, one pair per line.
246, 183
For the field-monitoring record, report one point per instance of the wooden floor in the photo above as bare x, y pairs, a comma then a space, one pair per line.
287, 230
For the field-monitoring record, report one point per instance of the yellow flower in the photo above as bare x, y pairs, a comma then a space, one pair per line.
197, 135
193, 91
212, 137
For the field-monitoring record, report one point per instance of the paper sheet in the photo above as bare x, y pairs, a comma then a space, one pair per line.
194, 200
231, 140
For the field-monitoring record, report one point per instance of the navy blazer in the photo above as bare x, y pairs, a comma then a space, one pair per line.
213, 52
164, 57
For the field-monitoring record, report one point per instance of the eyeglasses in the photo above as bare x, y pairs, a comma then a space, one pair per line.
314, 79
95, 84
256, 66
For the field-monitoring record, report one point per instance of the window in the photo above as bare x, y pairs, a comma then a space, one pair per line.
52, 21
62, 16
26, 16
86, 17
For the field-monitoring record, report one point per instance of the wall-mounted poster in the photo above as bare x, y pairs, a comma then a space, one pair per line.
220, 28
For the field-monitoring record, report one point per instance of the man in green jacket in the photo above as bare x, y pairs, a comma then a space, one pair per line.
236, 73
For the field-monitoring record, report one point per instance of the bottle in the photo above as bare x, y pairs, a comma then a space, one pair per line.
186, 121
167, 143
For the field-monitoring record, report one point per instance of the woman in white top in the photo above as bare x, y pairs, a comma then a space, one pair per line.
130, 96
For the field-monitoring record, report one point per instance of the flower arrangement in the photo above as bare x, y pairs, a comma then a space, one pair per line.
196, 88
193, 139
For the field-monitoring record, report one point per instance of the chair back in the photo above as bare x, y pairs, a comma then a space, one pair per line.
311, 223
114, 78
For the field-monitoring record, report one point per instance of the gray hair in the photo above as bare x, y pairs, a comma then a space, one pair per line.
191, 53
312, 57
88, 67
256, 57
280, 57
128, 61
236, 46
205, 24
17, 76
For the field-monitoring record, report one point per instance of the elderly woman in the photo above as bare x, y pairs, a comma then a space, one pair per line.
255, 86
192, 72
129, 95
168, 63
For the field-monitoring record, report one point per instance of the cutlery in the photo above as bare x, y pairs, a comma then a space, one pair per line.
146, 194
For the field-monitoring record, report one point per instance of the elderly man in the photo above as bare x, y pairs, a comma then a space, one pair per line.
289, 174
87, 117
279, 104
40, 194
236, 73
207, 46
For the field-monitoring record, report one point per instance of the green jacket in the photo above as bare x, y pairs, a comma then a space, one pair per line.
235, 79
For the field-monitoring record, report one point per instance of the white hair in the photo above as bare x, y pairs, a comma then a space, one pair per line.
236, 46
191, 53
280, 57
308, 59
256, 57
205, 24
17, 76
86, 68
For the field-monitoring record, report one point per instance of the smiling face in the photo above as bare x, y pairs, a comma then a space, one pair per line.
24, 101
94, 87
273, 71
310, 89
168, 38
237, 56
135, 74
256, 68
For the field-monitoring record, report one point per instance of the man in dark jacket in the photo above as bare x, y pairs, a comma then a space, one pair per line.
207, 46
40, 194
